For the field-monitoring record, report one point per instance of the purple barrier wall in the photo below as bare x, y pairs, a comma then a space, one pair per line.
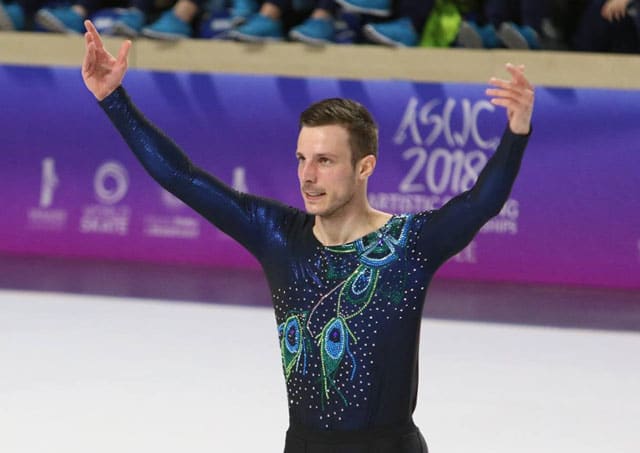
72, 188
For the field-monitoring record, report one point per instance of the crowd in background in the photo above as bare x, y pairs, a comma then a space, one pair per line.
584, 25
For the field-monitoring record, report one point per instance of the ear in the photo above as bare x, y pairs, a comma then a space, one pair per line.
366, 166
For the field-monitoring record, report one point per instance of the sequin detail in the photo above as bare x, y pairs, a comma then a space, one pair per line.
355, 292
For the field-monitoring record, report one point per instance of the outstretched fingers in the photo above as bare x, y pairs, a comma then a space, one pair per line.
507, 90
504, 94
93, 33
517, 75
88, 63
506, 85
123, 54
516, 96
518, 89
508, 103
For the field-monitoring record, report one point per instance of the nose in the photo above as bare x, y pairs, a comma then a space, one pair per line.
307, 172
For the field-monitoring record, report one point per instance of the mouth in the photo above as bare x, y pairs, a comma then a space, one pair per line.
313, 195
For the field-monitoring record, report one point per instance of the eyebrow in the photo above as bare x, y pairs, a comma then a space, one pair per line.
319, 155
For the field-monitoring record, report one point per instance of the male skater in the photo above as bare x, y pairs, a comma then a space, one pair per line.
347, 281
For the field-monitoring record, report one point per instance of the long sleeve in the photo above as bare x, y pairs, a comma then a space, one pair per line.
451, 228
246, 218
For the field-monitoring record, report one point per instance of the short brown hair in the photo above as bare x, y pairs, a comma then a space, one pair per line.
353, 116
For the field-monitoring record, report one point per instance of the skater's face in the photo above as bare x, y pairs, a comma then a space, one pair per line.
330, 182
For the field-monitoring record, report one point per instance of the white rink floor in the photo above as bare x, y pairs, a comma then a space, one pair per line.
87, 374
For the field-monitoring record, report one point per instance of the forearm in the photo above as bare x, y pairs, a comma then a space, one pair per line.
452, 227
159, 155
496, 179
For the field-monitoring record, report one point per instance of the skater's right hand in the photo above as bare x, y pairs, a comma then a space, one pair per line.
101, 72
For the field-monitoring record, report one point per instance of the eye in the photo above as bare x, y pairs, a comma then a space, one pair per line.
324, 160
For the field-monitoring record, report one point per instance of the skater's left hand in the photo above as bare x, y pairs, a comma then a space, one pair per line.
516, 95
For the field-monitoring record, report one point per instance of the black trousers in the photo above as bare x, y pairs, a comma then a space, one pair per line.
401, 439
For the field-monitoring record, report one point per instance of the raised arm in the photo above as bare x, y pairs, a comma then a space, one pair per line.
453, 226
244, 217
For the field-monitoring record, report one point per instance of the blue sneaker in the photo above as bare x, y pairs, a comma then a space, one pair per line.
472, 36
60, 20
168, 27
243, 10
518, 37
258, 28
129, 23
314, 31
396, 33
381, 8
11, 17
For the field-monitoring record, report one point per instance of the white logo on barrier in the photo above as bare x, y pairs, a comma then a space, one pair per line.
441, 125
111, 182
44, 217
49, 182
459, 170
113, 220
240, 179
182, 227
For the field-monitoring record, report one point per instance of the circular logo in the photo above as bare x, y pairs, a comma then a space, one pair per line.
111, 182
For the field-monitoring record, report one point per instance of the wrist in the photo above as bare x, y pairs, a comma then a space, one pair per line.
520, 130
109, 94
103, 94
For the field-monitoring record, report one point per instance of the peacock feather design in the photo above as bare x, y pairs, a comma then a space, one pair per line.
333, 342
355, 290
292, 345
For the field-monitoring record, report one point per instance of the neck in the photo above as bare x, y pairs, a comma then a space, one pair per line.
342, 228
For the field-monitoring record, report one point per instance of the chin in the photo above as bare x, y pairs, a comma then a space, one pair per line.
313, 210
317, 208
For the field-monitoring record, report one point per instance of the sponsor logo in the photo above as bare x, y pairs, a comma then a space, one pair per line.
172, 227
48, 182
451, 167
240, 179
45, 216
110, 184
113, 220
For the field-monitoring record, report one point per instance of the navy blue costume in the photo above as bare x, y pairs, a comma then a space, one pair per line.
348, 316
